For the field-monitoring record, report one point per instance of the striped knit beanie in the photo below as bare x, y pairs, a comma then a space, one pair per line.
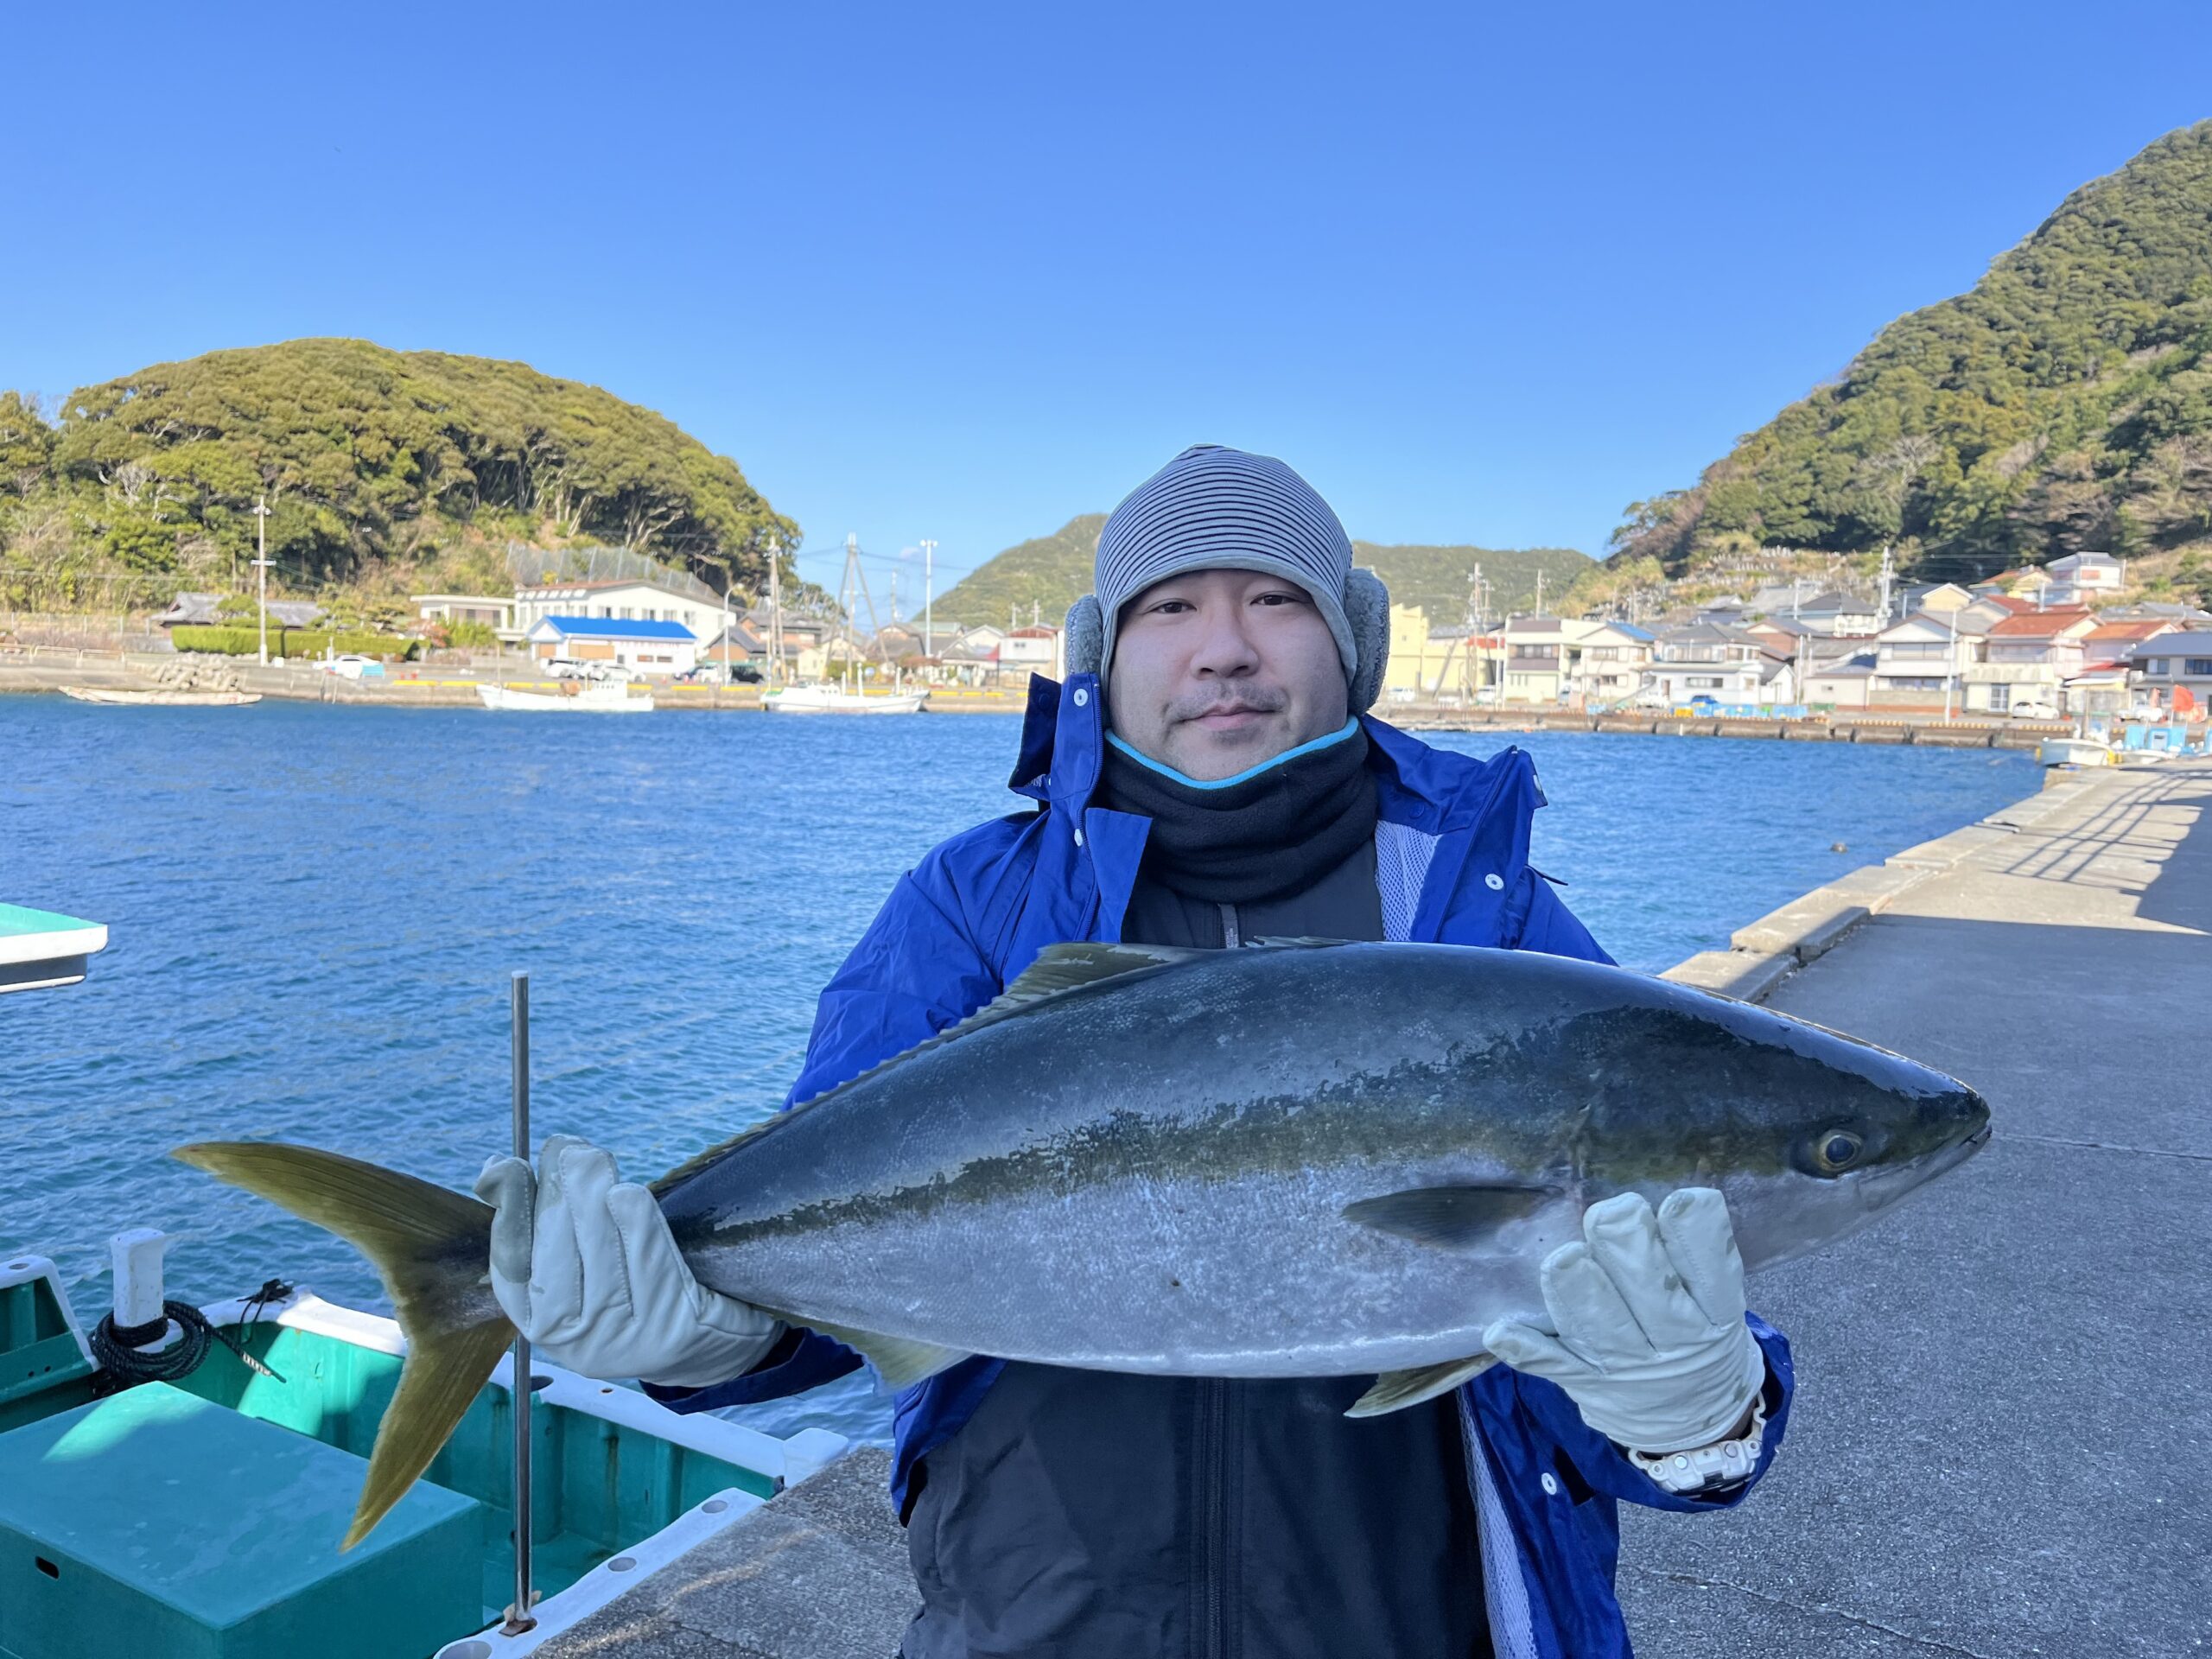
1216, 508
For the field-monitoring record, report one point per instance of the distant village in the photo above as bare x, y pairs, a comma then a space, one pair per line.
2046, 642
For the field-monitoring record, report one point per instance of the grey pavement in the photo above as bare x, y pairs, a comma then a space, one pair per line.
819, 1571
2002, 1442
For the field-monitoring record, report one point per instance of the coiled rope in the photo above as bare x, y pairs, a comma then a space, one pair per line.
121, 1352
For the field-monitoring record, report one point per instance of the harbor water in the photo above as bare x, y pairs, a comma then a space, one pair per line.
314, 912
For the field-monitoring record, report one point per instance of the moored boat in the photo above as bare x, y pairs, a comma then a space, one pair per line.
161, 699
837, 699
574, 697
2075, 752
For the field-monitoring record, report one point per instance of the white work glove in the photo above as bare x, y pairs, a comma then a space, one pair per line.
586, 1268
1648, 1337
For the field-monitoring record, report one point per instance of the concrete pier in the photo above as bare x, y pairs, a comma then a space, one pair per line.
2003, 1437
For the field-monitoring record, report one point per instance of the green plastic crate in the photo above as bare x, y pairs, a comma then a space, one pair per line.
155, 1525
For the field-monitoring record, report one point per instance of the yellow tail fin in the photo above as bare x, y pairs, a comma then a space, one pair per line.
432, 1248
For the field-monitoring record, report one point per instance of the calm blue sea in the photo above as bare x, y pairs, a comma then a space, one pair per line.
314, 912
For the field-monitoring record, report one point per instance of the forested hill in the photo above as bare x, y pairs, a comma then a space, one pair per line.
1052, 571
2064, 404
369, 458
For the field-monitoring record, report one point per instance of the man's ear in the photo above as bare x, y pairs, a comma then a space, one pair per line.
1086, 635
1367, 614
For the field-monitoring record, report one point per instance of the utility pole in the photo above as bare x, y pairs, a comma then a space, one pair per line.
775, 611
1883, 622
261, 561
1540, 593
929, 556
894, 599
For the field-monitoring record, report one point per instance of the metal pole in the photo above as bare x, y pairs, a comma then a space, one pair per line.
260, 561
929, 591
519, 1617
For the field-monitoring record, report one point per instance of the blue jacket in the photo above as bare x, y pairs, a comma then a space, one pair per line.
1452, 865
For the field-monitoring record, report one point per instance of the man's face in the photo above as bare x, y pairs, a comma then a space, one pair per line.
1217, 671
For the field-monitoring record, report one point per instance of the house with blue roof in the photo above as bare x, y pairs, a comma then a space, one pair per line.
653, 648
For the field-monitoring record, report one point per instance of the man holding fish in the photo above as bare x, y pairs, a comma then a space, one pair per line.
1208, 778
1189, 1150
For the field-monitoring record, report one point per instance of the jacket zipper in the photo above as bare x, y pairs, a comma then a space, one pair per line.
1213, 1515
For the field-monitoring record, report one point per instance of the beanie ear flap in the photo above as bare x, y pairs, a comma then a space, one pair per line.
1367, 614
1085, 637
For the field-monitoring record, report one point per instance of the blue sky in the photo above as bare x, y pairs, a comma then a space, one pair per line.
1482, 273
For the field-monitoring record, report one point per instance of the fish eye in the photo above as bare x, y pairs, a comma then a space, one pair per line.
1837, 1148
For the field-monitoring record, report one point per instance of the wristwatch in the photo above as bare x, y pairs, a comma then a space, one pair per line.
1707, 1468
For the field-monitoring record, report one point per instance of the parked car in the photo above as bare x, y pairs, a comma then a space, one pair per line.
353, 666
2033, 711
571, 667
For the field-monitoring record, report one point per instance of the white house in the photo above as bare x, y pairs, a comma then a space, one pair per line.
649, 647
2174, 671
1920, 660
676, 599
2082, 579
1035, 648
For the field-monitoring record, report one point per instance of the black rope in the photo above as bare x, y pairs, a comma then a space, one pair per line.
118, 1350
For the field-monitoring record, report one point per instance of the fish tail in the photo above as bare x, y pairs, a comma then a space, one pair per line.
432, 1248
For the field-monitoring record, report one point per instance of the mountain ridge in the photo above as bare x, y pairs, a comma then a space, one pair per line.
2061, 404
1052, 572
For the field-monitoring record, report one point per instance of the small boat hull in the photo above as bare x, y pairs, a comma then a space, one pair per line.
833, 700
577, 699
161, 699
2075, 752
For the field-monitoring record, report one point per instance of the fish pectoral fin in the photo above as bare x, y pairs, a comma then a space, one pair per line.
901, 1361
1450, 1217
1395, 1390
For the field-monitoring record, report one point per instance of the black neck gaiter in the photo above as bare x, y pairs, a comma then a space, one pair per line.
1258, 838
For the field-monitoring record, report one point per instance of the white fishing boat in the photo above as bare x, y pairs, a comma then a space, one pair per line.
161, 699
573, 697
2075, 752
838, 700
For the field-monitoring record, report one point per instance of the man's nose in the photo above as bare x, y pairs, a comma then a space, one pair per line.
1225, 649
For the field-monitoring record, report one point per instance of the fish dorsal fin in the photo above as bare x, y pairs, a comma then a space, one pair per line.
1450, 1217
1070, 967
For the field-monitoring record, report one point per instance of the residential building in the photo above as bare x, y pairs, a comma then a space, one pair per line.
1728, 664
2082, 579
488, 609
1035, 648
647, 647
1920, 663
2100, 686
1836, 613
1541, 655
1426, 663
671, 598
1609, 666
970, 655
1937, 599
2144, 610
1844, 684
2173, 672
2028, 656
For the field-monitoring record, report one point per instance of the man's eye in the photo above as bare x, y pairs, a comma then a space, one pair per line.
1167, 606
1280, 599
